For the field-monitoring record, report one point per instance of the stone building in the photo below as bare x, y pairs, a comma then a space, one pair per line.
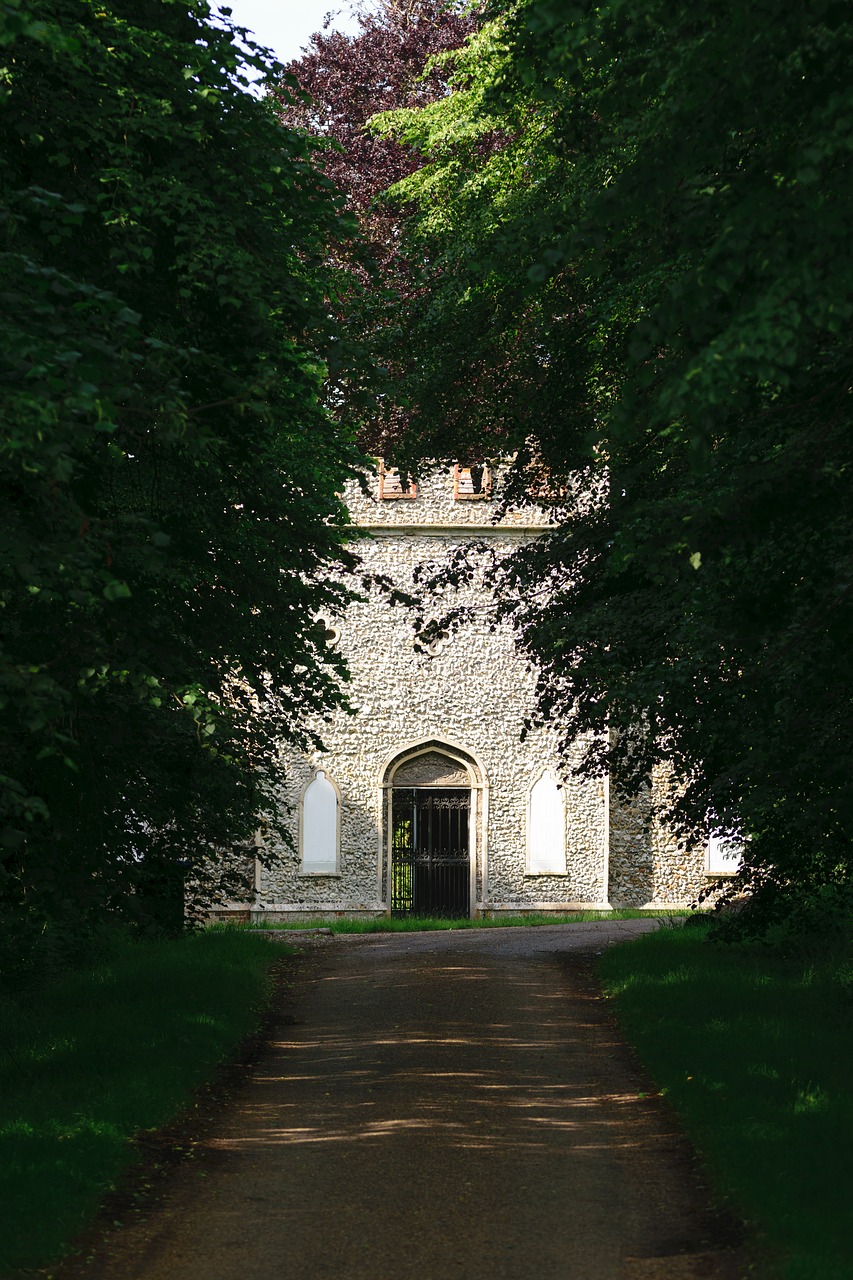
427, 799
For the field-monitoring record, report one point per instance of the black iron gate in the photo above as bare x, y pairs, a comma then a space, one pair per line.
430, 866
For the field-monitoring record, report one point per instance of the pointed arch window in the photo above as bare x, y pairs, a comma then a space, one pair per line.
546, 827
320, 826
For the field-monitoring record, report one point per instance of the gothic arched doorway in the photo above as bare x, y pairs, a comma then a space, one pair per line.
432, 819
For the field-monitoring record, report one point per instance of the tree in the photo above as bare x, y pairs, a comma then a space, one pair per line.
345, 80
169, 471
645, 293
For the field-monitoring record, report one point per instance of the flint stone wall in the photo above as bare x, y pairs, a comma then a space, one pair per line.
472, 695
434, 504
648, 866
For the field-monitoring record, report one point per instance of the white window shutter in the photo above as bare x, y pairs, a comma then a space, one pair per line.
320, 819
546, 833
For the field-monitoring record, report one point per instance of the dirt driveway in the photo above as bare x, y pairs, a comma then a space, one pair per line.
445, 1105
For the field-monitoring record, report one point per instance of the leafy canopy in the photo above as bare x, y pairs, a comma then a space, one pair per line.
169, 471
344, 81
635, 272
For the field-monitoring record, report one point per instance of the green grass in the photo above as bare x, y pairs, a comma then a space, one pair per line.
417, 924
96, 1056
754, 1049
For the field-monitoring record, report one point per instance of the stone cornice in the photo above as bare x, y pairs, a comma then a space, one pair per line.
454, 530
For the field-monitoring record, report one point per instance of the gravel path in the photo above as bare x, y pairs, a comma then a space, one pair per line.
444, 1105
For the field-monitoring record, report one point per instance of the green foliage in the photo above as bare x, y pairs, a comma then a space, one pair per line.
636, 274
748, 1046
169, 472
344, 80
98, 1055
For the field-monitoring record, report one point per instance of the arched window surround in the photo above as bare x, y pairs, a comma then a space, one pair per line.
407, 752
558, 866
329, 868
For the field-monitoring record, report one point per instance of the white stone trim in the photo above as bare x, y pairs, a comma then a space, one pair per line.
678, 904
332, 629
606, 835
315, 875
523, 908
383, 835
386, 828
736, 849
472, 530
484, 830
472, 849
289, 909
544, 772
421, 747
478, 833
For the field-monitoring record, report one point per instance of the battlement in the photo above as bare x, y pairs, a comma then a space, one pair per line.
445, 496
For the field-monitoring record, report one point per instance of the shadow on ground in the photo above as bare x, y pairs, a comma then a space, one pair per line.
444, 1105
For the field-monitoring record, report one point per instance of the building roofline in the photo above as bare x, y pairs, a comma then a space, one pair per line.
471, 530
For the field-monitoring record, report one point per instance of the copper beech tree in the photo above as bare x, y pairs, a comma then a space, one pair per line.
401, 56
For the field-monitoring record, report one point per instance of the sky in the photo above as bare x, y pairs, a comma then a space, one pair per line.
285, 26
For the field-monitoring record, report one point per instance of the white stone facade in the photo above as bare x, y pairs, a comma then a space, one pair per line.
451, 720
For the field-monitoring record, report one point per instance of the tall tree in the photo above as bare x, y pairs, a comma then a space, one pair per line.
390, 62
169, 472
646, 292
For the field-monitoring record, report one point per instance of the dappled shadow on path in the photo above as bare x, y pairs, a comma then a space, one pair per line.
433, 1111
449, 1101
437, 1053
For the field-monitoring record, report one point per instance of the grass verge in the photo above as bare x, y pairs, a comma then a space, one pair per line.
100, 1054
418, 924
753, 1048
